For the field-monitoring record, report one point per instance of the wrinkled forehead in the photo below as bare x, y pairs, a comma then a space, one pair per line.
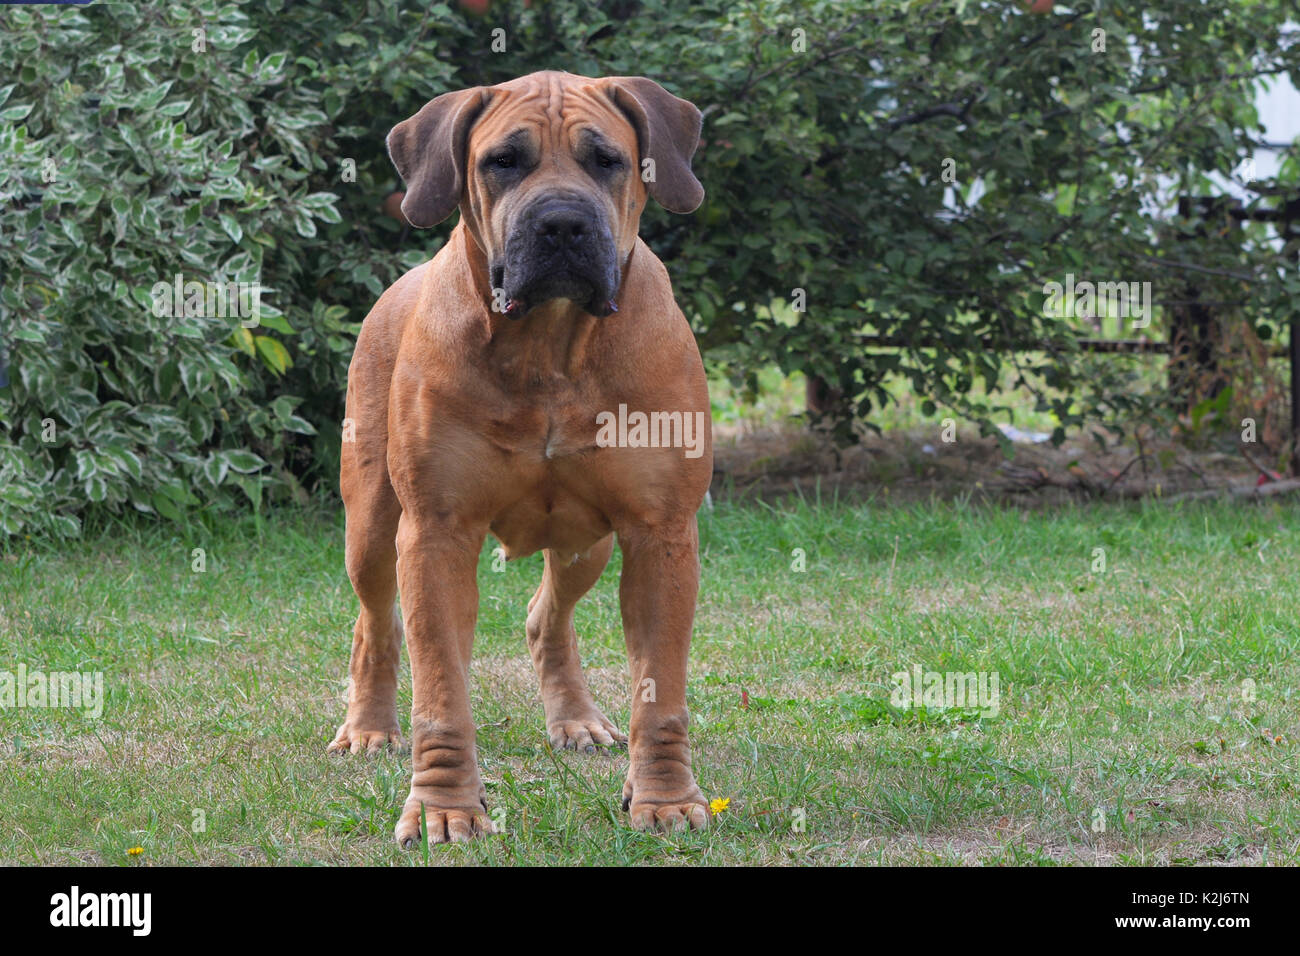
558, 112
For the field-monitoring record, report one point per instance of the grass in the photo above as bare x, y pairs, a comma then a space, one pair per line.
1148, 713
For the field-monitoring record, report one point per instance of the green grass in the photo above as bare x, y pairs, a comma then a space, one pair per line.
1122, 695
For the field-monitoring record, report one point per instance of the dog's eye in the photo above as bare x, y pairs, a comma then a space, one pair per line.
607, 160
503, 161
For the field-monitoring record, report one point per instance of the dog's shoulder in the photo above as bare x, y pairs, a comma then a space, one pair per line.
382, 328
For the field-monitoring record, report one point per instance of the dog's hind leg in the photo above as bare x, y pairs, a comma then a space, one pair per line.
573, 721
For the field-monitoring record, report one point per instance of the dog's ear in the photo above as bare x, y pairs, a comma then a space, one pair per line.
429, 152
668, 130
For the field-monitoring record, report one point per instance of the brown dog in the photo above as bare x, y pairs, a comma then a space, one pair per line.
498, 388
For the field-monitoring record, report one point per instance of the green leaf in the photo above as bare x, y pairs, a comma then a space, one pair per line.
274, 355
232, 228
165, 507
243, 461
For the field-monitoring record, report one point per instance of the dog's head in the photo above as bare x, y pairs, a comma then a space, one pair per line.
551, 172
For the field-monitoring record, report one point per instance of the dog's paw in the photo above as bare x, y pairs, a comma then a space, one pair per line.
585, 734
446, 824
352, 739
666, 812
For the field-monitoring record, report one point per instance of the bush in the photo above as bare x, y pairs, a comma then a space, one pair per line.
140, 143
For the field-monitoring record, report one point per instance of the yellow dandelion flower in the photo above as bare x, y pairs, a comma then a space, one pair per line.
720, 804
135, 851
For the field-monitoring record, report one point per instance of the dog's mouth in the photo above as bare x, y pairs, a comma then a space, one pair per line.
516, 299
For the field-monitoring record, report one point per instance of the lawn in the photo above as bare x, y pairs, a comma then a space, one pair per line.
1147, 712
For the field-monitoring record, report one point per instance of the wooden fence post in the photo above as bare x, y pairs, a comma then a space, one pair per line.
1288, 230
1194, 339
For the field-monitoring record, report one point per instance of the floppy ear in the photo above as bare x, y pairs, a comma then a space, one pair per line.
429, 152
668, 130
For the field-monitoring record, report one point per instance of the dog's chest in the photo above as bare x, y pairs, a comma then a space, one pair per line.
549, 441
544, 426
553, 506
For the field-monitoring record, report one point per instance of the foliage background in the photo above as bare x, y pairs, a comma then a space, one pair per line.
822, 170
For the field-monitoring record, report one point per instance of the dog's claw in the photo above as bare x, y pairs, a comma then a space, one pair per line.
351, 739
666, 812
590, 733
422, 821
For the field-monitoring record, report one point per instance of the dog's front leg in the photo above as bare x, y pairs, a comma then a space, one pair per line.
436, 567
657, 591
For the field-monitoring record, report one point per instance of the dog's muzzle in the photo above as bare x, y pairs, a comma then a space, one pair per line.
560, 247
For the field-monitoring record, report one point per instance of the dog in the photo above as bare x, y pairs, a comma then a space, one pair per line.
496, 389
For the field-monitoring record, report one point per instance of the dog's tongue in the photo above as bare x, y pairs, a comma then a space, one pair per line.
515, 309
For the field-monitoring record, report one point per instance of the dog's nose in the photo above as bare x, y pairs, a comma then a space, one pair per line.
562, 227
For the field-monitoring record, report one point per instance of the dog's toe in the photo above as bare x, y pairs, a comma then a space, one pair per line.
451, 825
586, 734
370, 742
